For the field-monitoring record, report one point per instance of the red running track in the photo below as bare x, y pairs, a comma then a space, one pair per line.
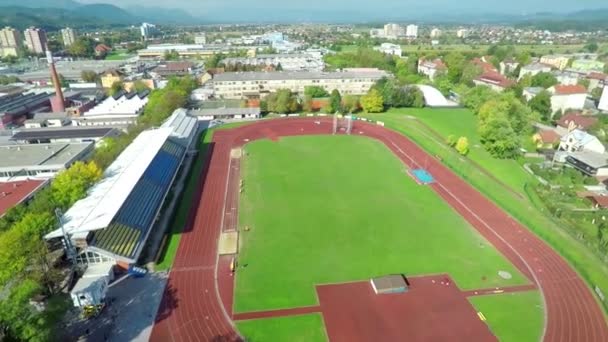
191, 309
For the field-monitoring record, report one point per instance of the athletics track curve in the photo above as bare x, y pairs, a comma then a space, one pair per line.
191, 309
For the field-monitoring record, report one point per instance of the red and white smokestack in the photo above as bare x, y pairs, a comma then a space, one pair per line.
57, 102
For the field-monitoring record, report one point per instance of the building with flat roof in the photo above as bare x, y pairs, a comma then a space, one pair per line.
184, 126
112, 224
557, 61
122, 104
288, 62
68, 134
225, 113
14, 109
17, 192
10, 42
193, 50
35, 40
40, 160
237, 85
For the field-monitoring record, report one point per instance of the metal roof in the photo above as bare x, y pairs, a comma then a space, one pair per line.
24, 156
105, 198
62, 133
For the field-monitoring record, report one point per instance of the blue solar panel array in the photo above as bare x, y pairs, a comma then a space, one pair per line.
136, 216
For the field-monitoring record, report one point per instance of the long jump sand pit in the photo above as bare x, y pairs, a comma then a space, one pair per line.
433, 309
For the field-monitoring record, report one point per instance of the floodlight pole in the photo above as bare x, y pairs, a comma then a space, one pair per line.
70, 250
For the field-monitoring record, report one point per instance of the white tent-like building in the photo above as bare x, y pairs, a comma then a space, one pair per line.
434, 98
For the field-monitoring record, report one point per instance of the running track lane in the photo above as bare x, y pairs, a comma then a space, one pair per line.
191, 309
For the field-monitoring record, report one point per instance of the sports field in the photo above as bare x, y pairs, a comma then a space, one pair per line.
330, 209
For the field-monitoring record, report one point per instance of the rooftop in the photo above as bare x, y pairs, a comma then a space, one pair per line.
105, 198
62, 133
13, 193
225, 111
297, 75
181, 123
581, 121
561, 89
22, 156
593, 159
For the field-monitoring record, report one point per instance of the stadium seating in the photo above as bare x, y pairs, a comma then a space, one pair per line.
129, 228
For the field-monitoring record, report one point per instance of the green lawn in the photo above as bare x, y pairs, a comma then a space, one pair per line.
304, 328
326, 209
512, 317
118, 56
524, 208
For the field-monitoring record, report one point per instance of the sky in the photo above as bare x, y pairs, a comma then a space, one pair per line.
358, 9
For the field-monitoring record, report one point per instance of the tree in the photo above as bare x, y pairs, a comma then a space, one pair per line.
584, 82
315, 91
335, 101
596, 93
451, 140
282, 101
541, 103
82, 47
140, 86
477, 96
544, 80
469, 73
171, 55
499, 139
279, 67
591, 47
116, 88
372, 102
88, 76
351, 103
455, 61
72, 184
462, 146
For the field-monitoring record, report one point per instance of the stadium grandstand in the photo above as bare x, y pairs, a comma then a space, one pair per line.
121, 104
113, 223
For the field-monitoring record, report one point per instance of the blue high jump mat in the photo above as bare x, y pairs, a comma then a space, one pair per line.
422, 176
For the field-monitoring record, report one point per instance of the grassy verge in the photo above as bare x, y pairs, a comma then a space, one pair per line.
318, 214
512, 317
181, 215
523, 208
304, 328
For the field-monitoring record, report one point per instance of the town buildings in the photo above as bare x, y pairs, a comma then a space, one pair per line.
233, 85
35, 40
411, 31
435, 33
431, 68
389, 49
10, 42
494, 80
69, 36
148, 31
533, 69
288, 62
557, 61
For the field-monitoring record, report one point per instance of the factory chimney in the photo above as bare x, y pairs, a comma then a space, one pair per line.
57, 102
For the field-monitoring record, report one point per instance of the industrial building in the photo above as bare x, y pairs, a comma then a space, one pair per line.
193, 50
42, 161
69, 134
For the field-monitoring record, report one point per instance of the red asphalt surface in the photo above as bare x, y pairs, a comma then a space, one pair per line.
191, 309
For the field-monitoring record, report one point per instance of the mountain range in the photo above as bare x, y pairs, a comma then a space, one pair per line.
52, 14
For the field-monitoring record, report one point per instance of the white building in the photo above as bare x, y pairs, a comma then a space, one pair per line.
238, 85
462, 33
603, 106
69, 36
122, 105
566, 78
389, 49
376, 33
533, 69
393, 31
581, 141
431, 68
200, 38
35, 40
411, 31
435, 33
148, 30
288, 62
564, 97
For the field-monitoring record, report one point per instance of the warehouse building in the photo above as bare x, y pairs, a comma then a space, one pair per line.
238, 85
69, 134
41, 161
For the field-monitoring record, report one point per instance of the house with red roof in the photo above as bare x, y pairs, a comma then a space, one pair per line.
102, 50
565, 97
431, 68
597, 79
484, 64
15, 193
494, 80
574, 121
546, 138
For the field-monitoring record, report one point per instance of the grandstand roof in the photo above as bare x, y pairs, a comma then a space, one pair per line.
183, 126
97, 210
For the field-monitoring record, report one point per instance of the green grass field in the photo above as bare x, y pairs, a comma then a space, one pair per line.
512, 317
524, 207
304, 328
326, 209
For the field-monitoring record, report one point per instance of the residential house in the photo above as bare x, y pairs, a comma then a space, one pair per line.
530, 92
603, 106
574, 121
579, 141
557, 61
533, 69
173, 69
111, 76
431, 68
592, 164
508, 66
566, 77
494, 80
546, 138
564, 97
484, 64
102, 50
597, 80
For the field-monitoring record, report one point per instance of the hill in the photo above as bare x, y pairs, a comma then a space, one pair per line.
65, 4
